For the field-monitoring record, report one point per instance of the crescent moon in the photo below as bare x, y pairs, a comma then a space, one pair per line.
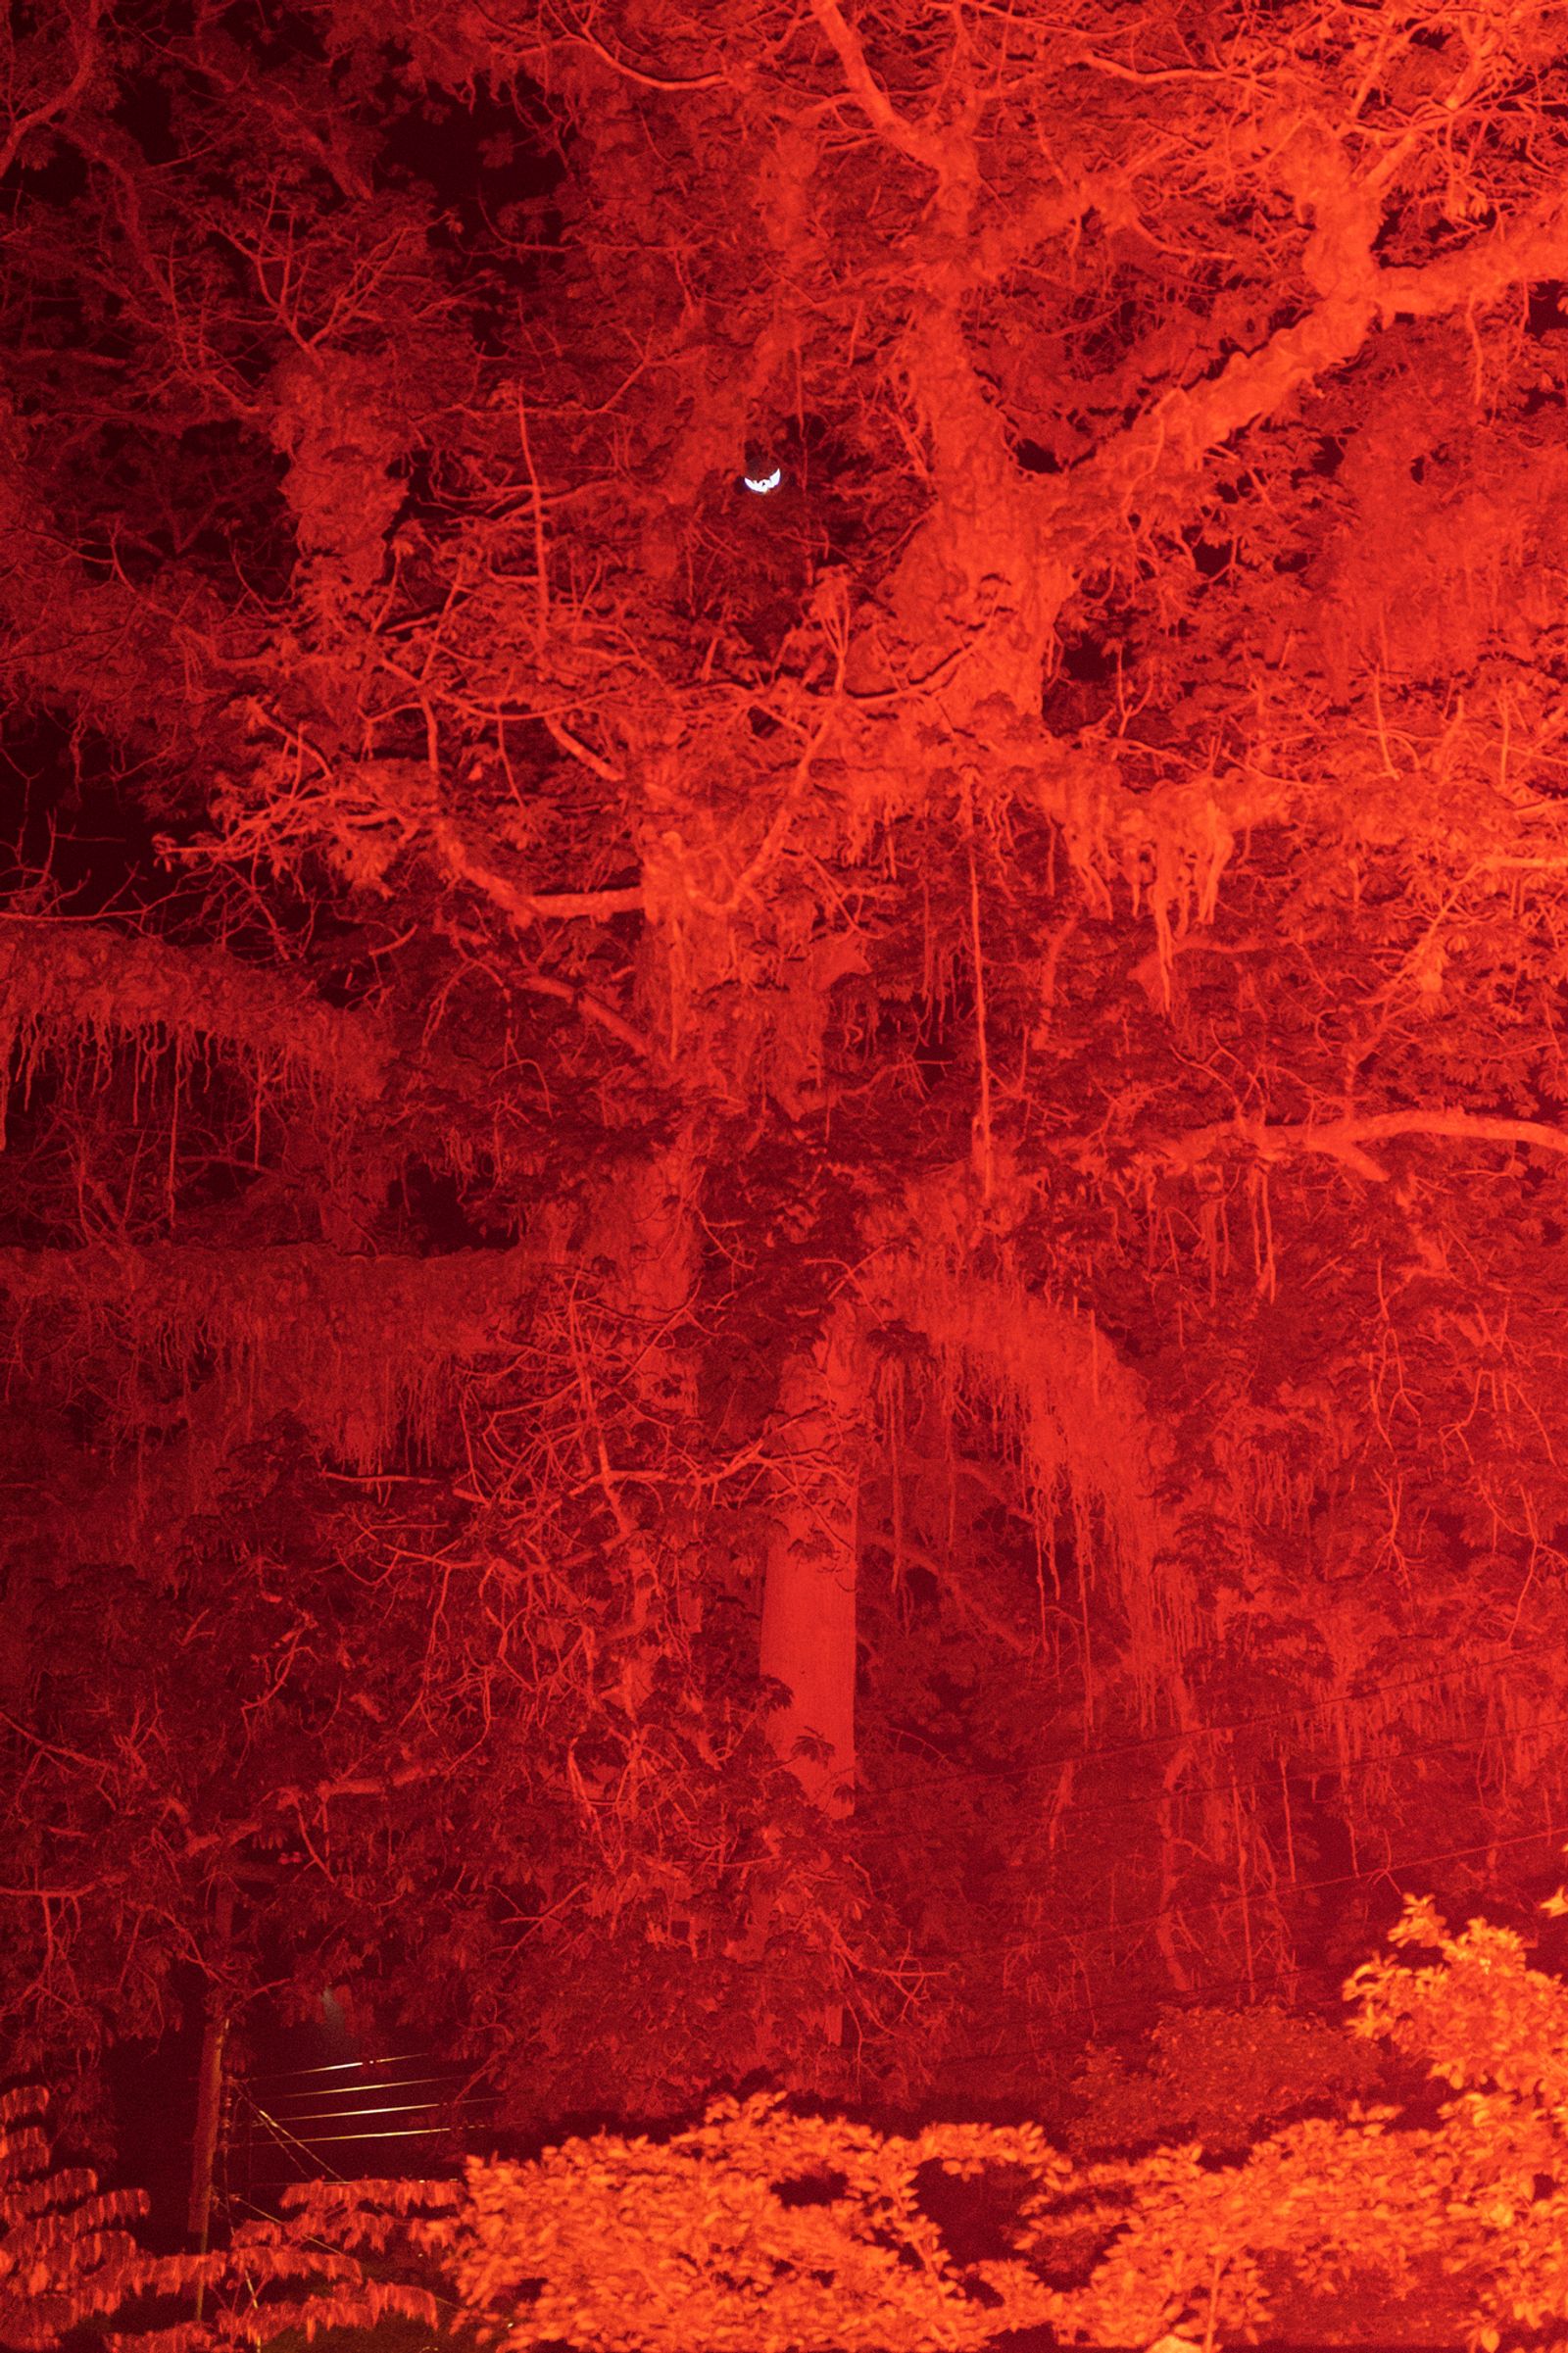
764, 483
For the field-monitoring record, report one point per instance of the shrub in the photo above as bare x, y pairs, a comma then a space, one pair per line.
1218, 2077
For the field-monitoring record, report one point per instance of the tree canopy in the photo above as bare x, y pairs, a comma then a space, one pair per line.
781, 1264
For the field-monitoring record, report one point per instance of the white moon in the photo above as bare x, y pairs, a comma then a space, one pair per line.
764, 483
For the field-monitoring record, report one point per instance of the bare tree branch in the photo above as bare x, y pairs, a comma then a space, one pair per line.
49, 110
526, 907
932, 149
1345, 1140
1190, 421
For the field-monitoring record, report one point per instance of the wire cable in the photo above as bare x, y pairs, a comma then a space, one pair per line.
1208, 1732
1235, 1900
1140, 1801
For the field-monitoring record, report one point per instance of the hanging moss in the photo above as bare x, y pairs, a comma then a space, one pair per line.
1076, 1418
76, 990
352, 1347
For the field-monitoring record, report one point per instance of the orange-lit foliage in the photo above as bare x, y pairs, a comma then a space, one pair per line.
1218, 2077
1471, 2211
761, 2231
755, 2227
66, 2255
765, 2231
70, 2264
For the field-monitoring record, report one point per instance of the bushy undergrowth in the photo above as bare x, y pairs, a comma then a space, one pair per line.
760, 2231
1221, 2077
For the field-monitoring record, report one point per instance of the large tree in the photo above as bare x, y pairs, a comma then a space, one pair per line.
784, 1211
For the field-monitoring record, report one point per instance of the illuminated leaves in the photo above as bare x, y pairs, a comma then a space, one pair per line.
763, 2231
1216, 2075
755, 2231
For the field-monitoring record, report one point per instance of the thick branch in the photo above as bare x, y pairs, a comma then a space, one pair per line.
935, 151
582, 39
527, 906
1345, 1140
525, 909
65, 980
602, 1017
49, 110
1193, 420
1534, 247
596, 906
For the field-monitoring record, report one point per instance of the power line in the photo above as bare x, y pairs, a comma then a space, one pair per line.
1209, 1731
1240, 1899
347, 2116
327, 2140
338, 2067
261, 2084
1139, 1802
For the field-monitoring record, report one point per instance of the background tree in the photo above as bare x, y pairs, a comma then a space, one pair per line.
937, 1090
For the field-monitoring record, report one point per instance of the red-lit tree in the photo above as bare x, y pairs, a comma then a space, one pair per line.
933, 1090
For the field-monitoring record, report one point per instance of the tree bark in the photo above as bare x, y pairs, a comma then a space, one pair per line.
808, 1598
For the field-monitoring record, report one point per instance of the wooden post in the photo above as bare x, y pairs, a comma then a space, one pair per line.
210, 2086
209, 2111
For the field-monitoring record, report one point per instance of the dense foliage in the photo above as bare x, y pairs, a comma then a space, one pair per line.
782, 1271
762, 2231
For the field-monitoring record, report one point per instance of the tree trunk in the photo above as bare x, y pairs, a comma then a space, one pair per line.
644, 1227
808, 1614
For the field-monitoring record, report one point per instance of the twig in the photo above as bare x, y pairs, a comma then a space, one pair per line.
983, 1047
591, 760
544, 984
527, 906
541, 576
772, 841
643, 81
